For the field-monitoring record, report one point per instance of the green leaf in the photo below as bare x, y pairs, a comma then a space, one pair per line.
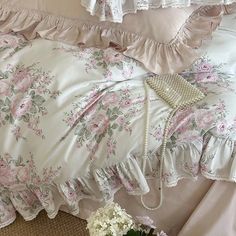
133, 233
119, 66
99, 63
87, 134
32, 93
26, 118
1, 103
173, 138
151, 232
114, 126
120, 129
2, 75
5, 109
11, 119
38, 100
110, 132
109, 112
7, 102
99, 139
33, 109
113, 117
79, 131
116, 110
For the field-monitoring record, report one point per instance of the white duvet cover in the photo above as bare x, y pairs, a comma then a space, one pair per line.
72, 124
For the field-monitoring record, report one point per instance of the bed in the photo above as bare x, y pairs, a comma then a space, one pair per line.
75, 120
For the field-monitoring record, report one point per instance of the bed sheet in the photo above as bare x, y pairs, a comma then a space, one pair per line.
179, 204
72, 125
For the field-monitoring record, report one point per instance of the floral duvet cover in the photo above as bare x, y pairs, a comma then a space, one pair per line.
72, 124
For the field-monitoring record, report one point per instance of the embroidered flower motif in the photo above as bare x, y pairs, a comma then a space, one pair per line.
10, 44
126, 103
5, 88
22, 79
13, 171
20, 106
204, 119
7, 212
204, 67
105, 59
103, 117
99, 124
20, 99
121, 120
206, 77
8, 41
205, 72
111, 56
7, 175
28, 198
111, 147
222, 127
70, 194
110, 99
23, 174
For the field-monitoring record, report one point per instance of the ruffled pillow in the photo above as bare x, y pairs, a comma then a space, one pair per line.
230, 9
114, 10
164, 40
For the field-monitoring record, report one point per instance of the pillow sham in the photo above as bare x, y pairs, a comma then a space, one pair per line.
164, 40
114, 10
230, 9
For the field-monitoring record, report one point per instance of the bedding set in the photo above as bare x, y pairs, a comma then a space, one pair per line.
79, 124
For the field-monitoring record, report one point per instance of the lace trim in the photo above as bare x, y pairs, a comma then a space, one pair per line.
115, 10
195, 158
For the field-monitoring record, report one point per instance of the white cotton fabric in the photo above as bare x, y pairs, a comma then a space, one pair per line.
72, 124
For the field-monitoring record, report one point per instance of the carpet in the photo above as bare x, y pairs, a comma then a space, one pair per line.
63, 225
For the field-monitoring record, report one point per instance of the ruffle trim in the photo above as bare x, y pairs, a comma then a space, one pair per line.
230, 9
216, 160
159, 58
115, 10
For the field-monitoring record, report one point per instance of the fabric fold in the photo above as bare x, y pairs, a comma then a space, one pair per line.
184, 162
160, 58
114, 11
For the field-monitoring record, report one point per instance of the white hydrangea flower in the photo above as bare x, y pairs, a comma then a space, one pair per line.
162, 234
110, 221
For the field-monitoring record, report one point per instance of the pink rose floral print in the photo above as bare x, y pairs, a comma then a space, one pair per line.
106, 115
106, 60
208, 76
21, 173
194, 122
24, 91
10, 44
104, 9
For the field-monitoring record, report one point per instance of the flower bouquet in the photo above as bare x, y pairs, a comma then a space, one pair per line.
112, 220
